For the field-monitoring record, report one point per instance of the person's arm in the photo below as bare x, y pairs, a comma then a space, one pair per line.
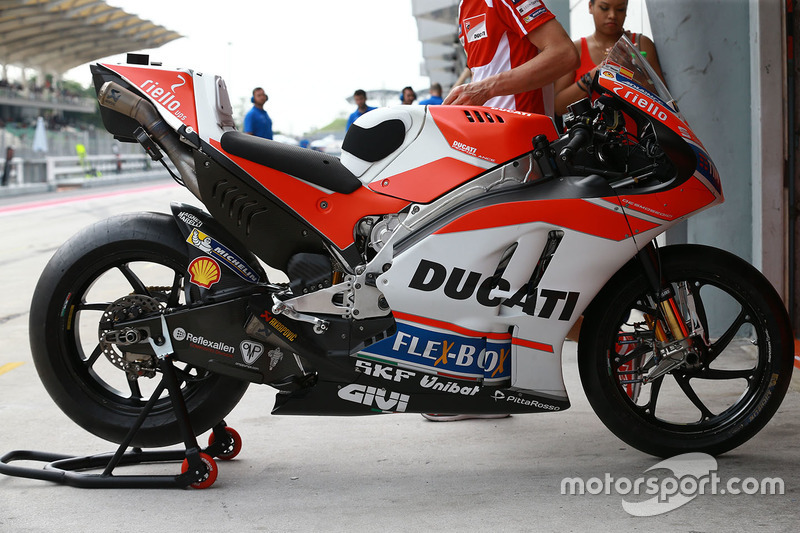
464, 76
647, 46
556, 57
567, 91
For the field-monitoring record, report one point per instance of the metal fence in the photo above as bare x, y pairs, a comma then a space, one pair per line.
50, 173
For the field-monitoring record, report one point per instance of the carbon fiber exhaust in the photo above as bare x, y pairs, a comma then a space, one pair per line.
115, 97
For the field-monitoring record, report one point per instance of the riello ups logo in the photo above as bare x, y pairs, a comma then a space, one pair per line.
460, 284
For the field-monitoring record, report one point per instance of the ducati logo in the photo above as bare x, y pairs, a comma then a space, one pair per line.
251, 351
459, 284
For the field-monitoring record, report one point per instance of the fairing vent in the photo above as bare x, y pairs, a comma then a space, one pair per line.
484, 117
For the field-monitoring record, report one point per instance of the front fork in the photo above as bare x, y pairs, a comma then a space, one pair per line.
676, 326
671, 332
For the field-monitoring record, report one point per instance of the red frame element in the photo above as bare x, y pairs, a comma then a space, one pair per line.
341, 213
428, 182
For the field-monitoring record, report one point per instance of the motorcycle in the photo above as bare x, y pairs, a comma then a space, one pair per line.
436, 267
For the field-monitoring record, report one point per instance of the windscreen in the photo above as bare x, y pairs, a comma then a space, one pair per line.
626, 60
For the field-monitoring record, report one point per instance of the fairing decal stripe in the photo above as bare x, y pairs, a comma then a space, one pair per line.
531, 344
426, 183
450, 327
575, 214
338, 218
691, 196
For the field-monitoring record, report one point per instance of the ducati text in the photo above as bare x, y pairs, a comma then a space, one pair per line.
462, 285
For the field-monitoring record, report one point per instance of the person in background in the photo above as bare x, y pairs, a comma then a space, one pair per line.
514, 48
257, 121
7, 166
407, 96
609, 18
360, 99
436, 95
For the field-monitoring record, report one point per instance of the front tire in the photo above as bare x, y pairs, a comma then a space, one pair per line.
721, 395
142, 257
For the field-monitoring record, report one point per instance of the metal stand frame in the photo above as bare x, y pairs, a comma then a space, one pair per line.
67, 469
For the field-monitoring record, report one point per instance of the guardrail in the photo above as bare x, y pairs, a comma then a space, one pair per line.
49, 99
50, 173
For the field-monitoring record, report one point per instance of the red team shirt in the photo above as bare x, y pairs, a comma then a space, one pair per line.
494, 36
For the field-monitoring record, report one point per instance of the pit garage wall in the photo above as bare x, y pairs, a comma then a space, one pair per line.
729, 79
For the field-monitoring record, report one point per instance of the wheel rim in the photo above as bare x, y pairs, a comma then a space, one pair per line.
708, 395
141, 273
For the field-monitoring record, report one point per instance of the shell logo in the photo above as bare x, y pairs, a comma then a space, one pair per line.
204, 272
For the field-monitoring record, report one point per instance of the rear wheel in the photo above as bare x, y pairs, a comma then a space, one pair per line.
128, 266
711, 397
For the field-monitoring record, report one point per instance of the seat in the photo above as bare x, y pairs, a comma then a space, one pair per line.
308, 165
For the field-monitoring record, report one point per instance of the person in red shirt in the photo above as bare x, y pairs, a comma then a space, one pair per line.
609, 18
514, 48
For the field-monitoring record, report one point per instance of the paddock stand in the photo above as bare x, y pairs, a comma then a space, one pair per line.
198, 469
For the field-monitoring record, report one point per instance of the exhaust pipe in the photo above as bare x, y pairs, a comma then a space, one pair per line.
115, 97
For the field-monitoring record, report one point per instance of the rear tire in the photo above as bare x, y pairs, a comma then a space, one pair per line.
143, 254
710, 405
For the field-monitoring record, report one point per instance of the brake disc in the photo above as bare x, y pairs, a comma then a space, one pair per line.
131, 307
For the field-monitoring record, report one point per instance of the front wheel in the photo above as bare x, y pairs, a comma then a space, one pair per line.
709, 394
123, 266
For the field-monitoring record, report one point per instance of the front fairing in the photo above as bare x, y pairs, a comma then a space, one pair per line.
626, 78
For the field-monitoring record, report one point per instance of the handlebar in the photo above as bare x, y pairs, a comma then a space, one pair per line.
580, 135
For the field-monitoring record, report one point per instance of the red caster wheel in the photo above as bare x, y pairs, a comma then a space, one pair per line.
210, 475
233, 449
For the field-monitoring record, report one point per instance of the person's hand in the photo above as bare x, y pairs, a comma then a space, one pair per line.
468, 94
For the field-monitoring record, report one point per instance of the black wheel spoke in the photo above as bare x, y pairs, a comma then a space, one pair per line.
97, 352
721, 343
94, 306
699, 307
133, 279
686, 387
713, 373
650, 408
136, 392
639, 351
175, 293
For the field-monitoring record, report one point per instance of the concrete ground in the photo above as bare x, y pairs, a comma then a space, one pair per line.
382, 473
